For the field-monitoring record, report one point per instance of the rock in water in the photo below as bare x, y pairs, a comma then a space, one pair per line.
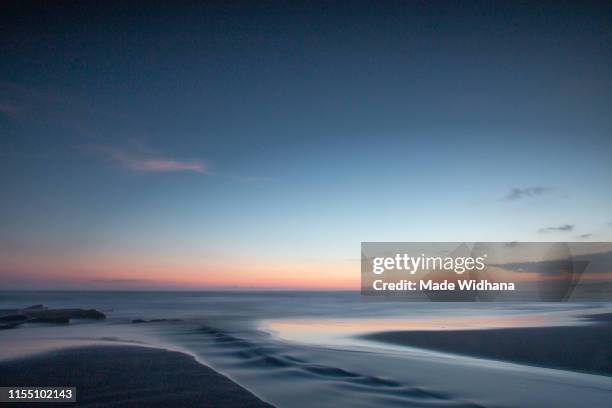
41, 314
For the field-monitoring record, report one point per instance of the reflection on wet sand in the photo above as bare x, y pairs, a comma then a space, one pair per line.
335, 331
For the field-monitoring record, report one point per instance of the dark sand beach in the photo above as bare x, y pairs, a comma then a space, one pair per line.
583, 348
111, 376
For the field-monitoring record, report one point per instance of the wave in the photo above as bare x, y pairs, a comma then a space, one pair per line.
266, 359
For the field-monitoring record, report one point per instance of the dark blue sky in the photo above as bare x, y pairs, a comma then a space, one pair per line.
205, 134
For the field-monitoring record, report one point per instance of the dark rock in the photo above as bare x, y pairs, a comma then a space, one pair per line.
155, 320
41, 314
66, 313
9, 325
50, 319
13, 318
87, 314
35, 307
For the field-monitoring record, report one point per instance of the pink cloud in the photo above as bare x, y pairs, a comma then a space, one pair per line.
148, 163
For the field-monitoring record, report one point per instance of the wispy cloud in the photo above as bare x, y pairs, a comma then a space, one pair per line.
584, 236
147, 162
560, 228
519, 193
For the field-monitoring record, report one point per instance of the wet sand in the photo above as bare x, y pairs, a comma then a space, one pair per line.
584, 348
111, 376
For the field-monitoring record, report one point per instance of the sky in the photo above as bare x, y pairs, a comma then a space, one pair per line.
257, 144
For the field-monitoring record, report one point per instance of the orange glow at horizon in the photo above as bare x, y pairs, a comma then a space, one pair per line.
98, 271
241, 274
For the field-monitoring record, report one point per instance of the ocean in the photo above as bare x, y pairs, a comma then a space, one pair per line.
304, 349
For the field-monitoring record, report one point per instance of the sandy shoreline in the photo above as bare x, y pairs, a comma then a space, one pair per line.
584, 348
129, 376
